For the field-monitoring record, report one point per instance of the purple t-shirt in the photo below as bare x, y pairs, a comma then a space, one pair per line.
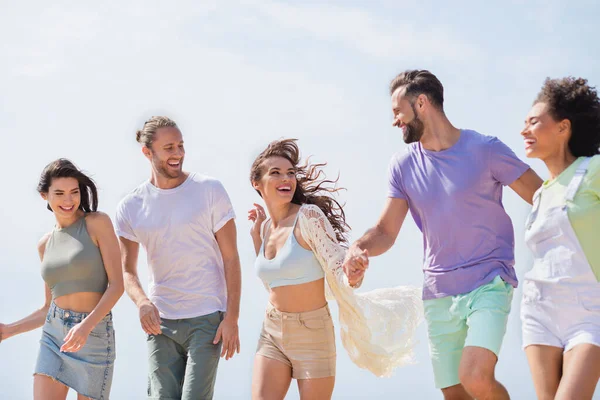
455, 198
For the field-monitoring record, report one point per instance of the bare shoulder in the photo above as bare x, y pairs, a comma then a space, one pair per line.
41, 246
98, 218
98, 223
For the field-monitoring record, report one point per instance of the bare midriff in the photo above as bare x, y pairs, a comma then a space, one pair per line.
83, 302
299, 298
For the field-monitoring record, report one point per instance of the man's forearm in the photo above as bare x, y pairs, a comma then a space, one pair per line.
134, 288
375, 241
233, 281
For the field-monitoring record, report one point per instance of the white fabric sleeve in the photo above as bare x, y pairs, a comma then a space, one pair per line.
222, 210
320, 236
123, 224
377, 327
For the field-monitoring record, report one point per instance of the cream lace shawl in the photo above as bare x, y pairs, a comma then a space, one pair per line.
377, 327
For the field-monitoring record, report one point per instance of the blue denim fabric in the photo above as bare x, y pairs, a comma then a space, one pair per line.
88, 371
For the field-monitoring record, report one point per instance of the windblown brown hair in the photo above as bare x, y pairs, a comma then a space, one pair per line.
311, 188
63, 168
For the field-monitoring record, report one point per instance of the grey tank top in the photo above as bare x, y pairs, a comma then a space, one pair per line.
72, 263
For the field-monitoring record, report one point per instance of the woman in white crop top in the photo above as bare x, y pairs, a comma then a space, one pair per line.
299, 258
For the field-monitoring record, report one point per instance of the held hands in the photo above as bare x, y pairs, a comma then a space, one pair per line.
355, 265
76, 338
149, 318
228, 332
257, 215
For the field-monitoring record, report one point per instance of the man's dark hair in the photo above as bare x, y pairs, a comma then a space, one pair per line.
418, 82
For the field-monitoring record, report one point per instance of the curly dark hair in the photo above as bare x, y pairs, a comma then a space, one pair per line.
573, 99
311, 187
63, 168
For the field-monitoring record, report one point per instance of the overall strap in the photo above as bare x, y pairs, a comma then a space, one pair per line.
535, 209
577, 179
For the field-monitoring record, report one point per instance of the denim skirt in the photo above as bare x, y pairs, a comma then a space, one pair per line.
88, 371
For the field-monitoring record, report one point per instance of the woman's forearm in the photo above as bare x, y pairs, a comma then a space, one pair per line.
110, 297
257, 241
33, 321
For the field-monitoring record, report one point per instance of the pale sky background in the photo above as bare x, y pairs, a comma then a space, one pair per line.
77, 80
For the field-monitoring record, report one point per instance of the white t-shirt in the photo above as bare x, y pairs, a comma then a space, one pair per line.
177, 229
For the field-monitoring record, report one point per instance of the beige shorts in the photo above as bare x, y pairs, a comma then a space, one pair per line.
303, 341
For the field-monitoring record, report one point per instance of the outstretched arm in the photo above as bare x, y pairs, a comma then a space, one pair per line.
382, 236
376, 240
36, 318
526, 185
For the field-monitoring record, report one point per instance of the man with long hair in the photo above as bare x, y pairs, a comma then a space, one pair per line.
185, 222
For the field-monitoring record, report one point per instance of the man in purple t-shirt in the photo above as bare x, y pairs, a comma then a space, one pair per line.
451, 181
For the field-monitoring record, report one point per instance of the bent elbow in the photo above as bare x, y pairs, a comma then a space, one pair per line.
44, 308
389, 238
118, 288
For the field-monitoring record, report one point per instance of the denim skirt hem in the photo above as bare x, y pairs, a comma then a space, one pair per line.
88, 371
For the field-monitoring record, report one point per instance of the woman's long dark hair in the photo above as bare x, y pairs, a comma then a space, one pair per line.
311, 188
63, 168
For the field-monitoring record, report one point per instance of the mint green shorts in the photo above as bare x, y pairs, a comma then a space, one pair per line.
477, 318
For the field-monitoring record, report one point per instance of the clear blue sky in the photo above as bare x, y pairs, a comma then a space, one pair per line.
77, 80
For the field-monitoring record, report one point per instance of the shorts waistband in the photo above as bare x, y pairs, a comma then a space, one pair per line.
274, 313
61, 313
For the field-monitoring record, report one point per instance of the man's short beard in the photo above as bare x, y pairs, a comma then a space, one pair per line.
163, 170
415, 128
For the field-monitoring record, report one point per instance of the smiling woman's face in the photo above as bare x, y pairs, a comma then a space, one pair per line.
63, 196
278, 182
543, 136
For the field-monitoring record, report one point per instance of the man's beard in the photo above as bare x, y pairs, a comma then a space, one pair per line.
163, 169
414, 129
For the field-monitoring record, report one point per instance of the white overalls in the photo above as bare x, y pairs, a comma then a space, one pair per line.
561, 295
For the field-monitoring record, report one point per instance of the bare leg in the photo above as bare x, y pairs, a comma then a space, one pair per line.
456, 392
545, 363
581, 371
477, 374
270, 379
46, 388
316, 389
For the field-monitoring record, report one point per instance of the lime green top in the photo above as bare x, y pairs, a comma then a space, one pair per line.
584, 211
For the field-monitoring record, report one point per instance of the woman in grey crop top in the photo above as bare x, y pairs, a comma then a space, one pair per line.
297, 339
82, 271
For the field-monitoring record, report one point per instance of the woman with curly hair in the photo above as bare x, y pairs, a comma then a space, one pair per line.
300, 251
560, 310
